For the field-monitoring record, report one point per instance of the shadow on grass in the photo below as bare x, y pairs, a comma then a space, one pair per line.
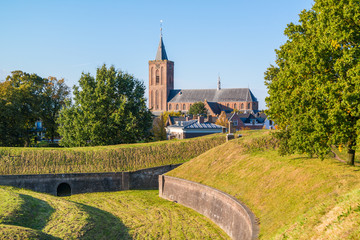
33, 213
104, 225
17, 232
301, 158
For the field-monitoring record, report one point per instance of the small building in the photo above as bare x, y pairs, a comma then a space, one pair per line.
269, 124
192, 128
237, 122
38, 131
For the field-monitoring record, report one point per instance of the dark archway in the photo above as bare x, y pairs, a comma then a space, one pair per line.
63, 190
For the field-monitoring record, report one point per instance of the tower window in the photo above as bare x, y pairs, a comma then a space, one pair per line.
156, 100
234, 105
242, 106
157, 77
169, 106
248, 105
177, 106
184, 107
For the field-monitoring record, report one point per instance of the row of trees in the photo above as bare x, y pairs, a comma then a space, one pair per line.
24, 99
107, 109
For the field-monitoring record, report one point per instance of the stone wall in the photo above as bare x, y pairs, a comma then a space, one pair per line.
149, 178
88, 182
224, 210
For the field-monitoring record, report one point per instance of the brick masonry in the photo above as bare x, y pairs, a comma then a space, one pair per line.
224, 210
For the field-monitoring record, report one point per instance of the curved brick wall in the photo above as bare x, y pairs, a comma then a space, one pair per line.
224, 210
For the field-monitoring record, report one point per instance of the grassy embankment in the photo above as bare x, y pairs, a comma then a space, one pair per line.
295, 197
118, 215
126, 157
343, 155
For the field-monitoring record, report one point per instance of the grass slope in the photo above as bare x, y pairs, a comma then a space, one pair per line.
126, 157
117, 215
295, 197
149, 217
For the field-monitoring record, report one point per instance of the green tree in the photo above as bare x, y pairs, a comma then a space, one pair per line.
108, 109
55, 94
158, 128
314, 91
24, 99
21, 96
198, 108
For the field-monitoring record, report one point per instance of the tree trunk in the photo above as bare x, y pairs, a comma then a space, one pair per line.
351, 155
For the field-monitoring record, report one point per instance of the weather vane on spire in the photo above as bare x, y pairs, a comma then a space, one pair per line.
161, 21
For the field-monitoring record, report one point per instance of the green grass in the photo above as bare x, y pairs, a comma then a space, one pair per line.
295, 197
117, 158
117, 215
343, 155
149, 217
16, 232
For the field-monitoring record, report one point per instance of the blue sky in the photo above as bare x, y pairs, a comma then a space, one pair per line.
235, 39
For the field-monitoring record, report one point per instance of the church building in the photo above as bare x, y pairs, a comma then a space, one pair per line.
163, 96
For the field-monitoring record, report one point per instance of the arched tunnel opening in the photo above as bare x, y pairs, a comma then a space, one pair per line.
63, 190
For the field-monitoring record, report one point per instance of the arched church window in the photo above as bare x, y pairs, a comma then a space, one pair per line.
227, 105
235, 106
152, 76
161, 99
184, 107
162, 76
170, 107
248, 105
151, 99
157, 77
177, 106
242, 106
156, 100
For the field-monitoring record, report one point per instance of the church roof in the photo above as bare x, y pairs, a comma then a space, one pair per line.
211, 95
215, 108
161, 53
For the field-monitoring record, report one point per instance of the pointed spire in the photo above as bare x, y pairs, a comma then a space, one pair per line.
219, 83
161, 53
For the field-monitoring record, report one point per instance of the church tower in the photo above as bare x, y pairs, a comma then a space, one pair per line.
161, 79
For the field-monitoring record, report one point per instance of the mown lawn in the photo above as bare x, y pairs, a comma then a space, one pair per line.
295, 197
117, 215
149, 217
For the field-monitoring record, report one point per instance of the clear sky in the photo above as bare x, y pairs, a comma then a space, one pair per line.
235, 39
